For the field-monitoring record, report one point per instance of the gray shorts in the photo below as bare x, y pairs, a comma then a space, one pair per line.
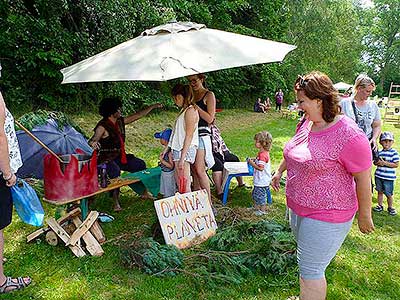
317, 243
190, 155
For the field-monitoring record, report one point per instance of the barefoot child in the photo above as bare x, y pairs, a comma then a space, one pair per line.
167, 180
385, 173
262, 171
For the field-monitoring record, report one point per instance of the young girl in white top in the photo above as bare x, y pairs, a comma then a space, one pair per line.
262, 171
184, 140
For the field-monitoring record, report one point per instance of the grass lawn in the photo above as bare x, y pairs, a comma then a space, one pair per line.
366, 267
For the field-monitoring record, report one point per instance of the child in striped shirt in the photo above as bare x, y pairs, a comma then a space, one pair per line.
385, 173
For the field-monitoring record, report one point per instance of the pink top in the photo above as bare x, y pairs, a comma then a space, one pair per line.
319, 183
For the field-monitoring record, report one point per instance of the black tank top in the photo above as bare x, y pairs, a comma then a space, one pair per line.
200, 103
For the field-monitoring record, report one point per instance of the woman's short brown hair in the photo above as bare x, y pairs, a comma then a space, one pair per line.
186, 91
317, 85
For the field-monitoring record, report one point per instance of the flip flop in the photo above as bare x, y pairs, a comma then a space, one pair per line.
105, 218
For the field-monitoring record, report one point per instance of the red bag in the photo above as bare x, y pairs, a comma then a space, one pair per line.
182, 184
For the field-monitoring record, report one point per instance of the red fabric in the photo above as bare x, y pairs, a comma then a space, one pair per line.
123, 153
182, 184
72, 183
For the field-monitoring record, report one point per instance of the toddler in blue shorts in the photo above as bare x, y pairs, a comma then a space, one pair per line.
262, 171
385, 174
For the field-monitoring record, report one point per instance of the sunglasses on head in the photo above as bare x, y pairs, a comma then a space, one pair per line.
302, 82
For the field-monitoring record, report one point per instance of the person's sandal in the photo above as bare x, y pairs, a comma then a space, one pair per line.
9, 285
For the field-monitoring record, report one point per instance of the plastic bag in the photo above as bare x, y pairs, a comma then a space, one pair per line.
27, 203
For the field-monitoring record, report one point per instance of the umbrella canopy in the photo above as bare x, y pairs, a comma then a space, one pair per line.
175, 50
62, 140
340, 86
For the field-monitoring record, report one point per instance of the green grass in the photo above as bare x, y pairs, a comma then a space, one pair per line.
366, 267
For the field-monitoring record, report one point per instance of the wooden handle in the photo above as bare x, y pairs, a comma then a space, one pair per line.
38, 141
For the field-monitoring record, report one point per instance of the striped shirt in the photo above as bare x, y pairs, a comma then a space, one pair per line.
387, 173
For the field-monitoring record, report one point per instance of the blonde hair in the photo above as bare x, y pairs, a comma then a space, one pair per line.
265, 139
362, 81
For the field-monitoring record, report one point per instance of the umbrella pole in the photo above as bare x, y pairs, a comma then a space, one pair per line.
38, 141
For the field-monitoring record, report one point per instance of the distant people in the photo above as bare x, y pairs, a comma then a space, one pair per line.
267, 103
166, 163
363, 111
109, 140
221, 155
328, 163
385, 174
205, 102
10, 162
184, 140
278, 99
262, 172
260, 106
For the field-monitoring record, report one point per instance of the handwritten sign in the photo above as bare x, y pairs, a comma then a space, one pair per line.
186, 219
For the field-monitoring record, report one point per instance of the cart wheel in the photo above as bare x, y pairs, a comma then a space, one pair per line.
51, 238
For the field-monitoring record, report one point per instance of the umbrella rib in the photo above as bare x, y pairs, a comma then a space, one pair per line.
177, 60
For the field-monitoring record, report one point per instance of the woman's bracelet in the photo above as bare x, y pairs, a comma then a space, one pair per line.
8, 177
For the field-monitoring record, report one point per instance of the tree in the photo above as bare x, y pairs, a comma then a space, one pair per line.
383, 42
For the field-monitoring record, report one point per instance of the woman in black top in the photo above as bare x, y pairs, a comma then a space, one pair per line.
205, 105
109, 140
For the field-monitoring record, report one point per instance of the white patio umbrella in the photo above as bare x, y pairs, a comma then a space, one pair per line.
340, 86
175, 50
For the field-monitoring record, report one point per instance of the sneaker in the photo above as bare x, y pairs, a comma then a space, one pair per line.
378, 208
251, 208
392, 211
260, 213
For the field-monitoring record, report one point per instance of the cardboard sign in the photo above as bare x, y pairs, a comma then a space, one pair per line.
186, 219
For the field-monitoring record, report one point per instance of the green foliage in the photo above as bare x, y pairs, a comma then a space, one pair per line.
233, 254
382, 43
40, 117
152, 257
340, 38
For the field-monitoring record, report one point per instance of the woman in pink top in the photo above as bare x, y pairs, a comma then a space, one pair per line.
328, 163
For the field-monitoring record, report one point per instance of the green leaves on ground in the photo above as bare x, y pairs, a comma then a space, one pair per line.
234, 253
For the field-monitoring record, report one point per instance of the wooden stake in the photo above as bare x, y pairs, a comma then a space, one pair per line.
38, 141
92, 245
98, 232
60, 221
83, 228
76, 249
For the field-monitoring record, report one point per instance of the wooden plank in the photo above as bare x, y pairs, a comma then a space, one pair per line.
61, 220
115, 183
83, 228
98, 232
92, 245
77, 250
